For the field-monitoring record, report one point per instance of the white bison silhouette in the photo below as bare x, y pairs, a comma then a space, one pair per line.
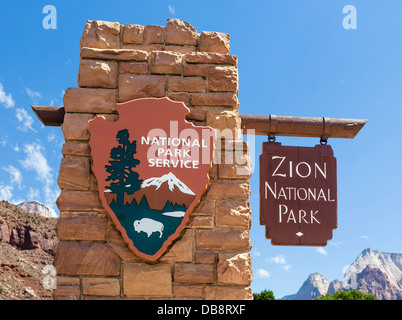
148, 226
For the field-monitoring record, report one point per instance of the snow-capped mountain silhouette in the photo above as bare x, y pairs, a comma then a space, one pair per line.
161, 190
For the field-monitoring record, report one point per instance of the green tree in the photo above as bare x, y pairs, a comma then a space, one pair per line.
264, 295
121, 166
348, 295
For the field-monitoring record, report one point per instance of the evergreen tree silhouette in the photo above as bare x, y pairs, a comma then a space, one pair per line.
121, 169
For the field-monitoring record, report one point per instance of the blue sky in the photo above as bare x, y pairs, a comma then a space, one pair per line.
295, 58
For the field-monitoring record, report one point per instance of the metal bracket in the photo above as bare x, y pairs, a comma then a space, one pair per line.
326, 130
273, 121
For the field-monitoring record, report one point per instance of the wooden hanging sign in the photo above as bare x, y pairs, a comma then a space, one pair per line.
298, 194
151, 167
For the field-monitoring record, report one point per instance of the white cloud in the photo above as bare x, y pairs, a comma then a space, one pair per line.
51, 137
25, 120
33, 194
171, 9
6, 192
3, 141
322, 251
279, 259
6, 99
262, 273
364, 237
15, 175
35, 160
33, 94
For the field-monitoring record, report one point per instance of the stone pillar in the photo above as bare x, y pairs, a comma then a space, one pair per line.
211, 259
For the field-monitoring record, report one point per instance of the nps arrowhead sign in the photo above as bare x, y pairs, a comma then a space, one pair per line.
298, 194
151, 167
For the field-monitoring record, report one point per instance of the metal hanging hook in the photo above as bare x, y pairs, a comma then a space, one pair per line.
271, 137
324, 140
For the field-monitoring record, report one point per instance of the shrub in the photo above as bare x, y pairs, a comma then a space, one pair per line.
348, 295
264, 295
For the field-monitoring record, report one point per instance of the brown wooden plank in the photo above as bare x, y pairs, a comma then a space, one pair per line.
49, 116
302, 126
262, 124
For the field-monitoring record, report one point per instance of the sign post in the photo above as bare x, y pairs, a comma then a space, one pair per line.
298, 194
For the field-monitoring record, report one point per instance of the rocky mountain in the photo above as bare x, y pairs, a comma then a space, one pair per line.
168, 188
37, 208
27, 244
375, 272
315, 286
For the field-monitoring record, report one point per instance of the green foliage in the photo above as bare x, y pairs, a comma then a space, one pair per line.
264, 295
121, 174
348, 295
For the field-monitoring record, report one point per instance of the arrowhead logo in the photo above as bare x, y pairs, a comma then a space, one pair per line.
151, 167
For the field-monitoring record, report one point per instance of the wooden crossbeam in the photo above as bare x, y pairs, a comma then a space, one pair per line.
320, 127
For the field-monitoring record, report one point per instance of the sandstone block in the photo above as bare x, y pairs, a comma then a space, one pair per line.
163, 62
155, 34
90, 226
223, 240
114, 54
228, 293
181, 49
234, 269
133, 33
228, 189
88, 100
141, 86
182, 96
134, 67
82, 258
211, 57
186, 84
233, 214
214, 99
148, 48
101, 286
194, 273
205, 257
79, 201
76, 149
97, 74
75, 126
181, 250
68, 288
122, 250
235, 165
140, 279
181, 33
196, 114
201, 222
74, 174
226, 121
215, 42
183, 291
195, 70
223, 78
205, 207
101, 34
